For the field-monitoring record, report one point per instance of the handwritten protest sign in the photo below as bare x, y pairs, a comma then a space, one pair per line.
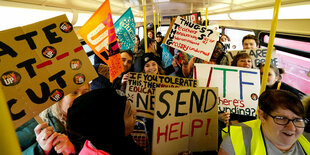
99, 33
257, 55
238, 87
191, 38
39, 64
125, 28
185, 119
141, 87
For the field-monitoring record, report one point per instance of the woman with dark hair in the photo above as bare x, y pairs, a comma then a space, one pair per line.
277, 131
105, 119
242, 60
274, 81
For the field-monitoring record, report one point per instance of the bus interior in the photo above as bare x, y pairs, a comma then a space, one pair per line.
234, 18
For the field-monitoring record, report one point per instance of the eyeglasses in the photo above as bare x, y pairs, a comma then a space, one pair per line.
298, 122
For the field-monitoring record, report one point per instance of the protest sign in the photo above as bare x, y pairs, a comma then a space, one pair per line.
99, 33
140, 90
238, 87
258, 56
39, 64
185, 119
191, 38
125, 28
166, 57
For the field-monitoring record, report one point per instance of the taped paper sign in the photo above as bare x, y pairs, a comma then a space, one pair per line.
185, 119
125, 28
238, 87
99, 33
39, 64
191, 38
258, 56
141, 87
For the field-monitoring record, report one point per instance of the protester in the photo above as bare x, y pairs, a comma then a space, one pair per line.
159, 41
50, 137
242, 60
306, 103
136, 47
103, 81
217, 55
250, 42
138, 62
152, 64
277, 131
274, 80
224, 38
106, 120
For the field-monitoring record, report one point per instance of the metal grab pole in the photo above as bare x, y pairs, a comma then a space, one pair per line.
145, 35
270, 44
10, 145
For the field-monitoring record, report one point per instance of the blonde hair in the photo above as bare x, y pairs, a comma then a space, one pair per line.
56, 111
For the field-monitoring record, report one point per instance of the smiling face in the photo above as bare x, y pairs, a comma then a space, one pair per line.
244, 62
129, 118
249, 44
282, 137
151, 67
127, 61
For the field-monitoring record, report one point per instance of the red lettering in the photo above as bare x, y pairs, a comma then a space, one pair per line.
181, 131
163, 133
208, 124
194, 125
172, 131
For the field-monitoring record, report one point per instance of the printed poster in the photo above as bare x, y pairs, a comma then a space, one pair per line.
39, 64
125, 28
99, 33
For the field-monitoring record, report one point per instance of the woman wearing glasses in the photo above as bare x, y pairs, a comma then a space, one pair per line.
277, 131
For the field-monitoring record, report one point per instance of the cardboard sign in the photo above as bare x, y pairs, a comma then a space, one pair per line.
141, 87
238, 87
258, 56
99, 33
125, 28
39, 64
191, 38
185, 119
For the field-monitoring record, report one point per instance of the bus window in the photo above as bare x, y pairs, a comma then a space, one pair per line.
236, 36
294, 57
163, 30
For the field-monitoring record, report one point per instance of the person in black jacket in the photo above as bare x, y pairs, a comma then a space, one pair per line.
274, 81
105, 119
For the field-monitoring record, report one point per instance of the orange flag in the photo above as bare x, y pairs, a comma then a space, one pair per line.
99, 33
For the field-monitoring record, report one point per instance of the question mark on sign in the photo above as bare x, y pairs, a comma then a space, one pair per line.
211, 31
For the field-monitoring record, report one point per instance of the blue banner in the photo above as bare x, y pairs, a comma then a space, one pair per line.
166, 57
125, 28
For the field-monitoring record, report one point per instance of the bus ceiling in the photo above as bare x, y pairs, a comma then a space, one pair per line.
228, 13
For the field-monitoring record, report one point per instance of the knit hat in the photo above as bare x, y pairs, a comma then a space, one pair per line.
98, 116
151, 56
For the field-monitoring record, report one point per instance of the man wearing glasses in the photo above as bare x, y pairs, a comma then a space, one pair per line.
277, 131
